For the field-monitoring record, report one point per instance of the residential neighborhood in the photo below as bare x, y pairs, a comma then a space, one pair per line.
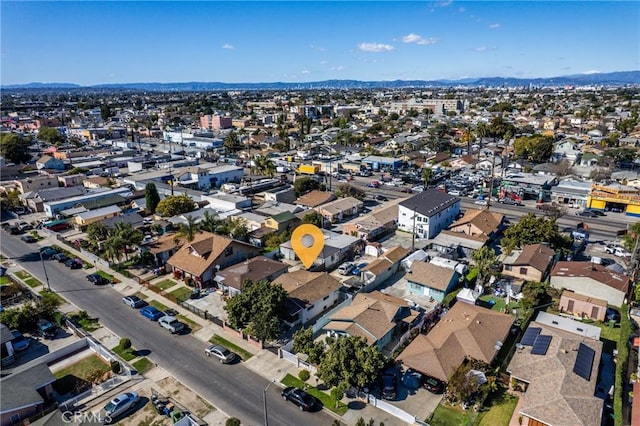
479, 256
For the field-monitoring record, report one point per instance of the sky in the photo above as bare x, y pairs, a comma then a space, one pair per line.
92, 42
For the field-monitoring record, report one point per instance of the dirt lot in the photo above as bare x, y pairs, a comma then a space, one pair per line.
170, 388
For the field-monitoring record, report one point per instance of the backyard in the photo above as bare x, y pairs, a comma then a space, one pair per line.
81, 375
497, 411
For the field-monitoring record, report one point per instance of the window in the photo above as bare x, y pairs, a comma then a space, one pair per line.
325, 298
228, 251
507, 267
523, 271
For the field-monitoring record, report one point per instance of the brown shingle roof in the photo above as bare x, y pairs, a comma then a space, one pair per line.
255, 269
539, 256
166, 242
315, 198
378, 266
466, 330
308, 287
486, 221
591, 270
429, 275
396, 254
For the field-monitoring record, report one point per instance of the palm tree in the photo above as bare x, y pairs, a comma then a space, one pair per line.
113, 248
209, 222
128, 235
484, 259
189, 229
269, 168
426, 176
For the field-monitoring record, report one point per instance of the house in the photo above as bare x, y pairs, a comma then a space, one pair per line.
35, 199
8, 353
427, 279
532, 263
164, 247
375, 225
270, 208
133, 218
282, 222
47, 162
340, 209
309, 294
256, 269
337, 248
458, 244
590, 279
374, 316
314, 199
381, 269
84, 219
427, 213
201, 258
465, 331
480, 222
25, 394
252, 220
33, 183
71, 180
583, 306
558, 370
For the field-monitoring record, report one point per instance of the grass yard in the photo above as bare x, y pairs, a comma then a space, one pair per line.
217, 340
445, 415
142, 365
327, 401
108, 276
499, 304
182, 294
126, 354
141, 295
53, 295
158, 305
4, 280
23, 275
499, 414
163, 285
87, 324
85, 368
32, 282
194, 326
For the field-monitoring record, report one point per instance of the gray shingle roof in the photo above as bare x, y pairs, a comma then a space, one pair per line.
430, 202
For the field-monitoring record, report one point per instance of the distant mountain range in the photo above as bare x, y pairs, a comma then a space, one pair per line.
619, 78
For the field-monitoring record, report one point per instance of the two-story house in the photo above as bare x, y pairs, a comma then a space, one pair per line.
427, 213
256, 269
532, 263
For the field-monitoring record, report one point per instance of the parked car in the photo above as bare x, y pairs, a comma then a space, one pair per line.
346, 268
612, 315
380, 198
13, 230
134, 301
19, 342
48, 253
509, 201
433, 385
60, 257
481, 202
73, 263
303, 400
389, 384
24, 226
598, 212
171, 323
28, 238
46, 328
418, 188
224, 355
359, 266
151, 312
617, 250
118, 406
587, 213
97, 279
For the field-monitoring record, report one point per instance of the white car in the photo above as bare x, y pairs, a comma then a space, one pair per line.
617, 251
418, 188
481, 202
171, 323
119, 405
224, 355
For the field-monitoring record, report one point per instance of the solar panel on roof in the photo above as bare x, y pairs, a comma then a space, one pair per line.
530, 336
541, 345
584, 361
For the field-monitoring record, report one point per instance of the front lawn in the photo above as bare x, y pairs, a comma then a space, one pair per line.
108, 276
217, 340
23, 275
87, 323
28, 279
194, 326
158, 305
53, 296
142, 365
126, 354
163, 285
445, 415
4, 280
182, 294
327, 400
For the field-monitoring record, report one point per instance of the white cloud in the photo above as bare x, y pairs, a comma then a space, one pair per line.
591, 72
323, 62
338, 68
461, 10
480, 48
375, 47
494, 26
444, 3
318, 48
305, 72
418, 39
228, 46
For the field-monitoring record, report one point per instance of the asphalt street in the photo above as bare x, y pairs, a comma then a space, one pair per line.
234, 389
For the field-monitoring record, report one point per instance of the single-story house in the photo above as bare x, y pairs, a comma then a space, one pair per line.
47, 162
25, 394
314, 199
256, 269
583, 306
337, 248
374, 316
465, 331
282, 221
532, 263
590, 279
479, 222
92, 216
200, 259
340, 209
457, 244
164, 247
309, 294
427, 279
378, 271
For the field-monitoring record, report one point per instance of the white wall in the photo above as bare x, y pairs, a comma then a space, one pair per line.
588, 287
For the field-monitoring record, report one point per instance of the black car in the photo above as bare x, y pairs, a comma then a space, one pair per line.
73, 263
433, 385
389, 383
28, 238
598, 212
380, 198
60, 257
510, 201
612, 315
587, 213
47, 329
303, 400
97, 279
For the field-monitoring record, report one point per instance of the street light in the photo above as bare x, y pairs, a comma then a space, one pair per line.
44, 268
264, 400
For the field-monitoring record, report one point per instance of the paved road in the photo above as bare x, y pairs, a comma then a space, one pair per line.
234, 389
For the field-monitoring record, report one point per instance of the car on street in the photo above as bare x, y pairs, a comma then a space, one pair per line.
617, 250
359, 266
48, 253
13, 230
418, 188
46, 328
28, 238
134, 301
118, 406
19, 342
224, 355
433, 385
380, 198
171, 323
481, 202
374, 184
73, 263
598, 212
509, 201
151, 312
302, 399
97, 279
586, 213
60, 257
389, 384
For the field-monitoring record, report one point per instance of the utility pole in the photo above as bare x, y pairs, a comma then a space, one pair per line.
44, 268
264, 400
413, 237
493, 165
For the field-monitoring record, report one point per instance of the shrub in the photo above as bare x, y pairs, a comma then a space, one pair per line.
125, 343
115, 366
232, 422
304, 375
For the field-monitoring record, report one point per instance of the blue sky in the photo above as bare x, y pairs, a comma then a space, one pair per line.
118, 42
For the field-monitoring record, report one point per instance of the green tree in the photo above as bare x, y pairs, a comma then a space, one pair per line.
537, 148
461, 385
51, 135
210, 221
105, 111
484, 259
258, 309
174, 205
345, 190
14, 148
303, 343
97, 232
531, 229
314, 218
151, 196
427, 173
127, 236
630, 239
189, 229
304, 185
351, 361
232, 142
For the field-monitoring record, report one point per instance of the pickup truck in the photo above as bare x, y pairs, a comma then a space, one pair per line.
617, 251
171, 323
